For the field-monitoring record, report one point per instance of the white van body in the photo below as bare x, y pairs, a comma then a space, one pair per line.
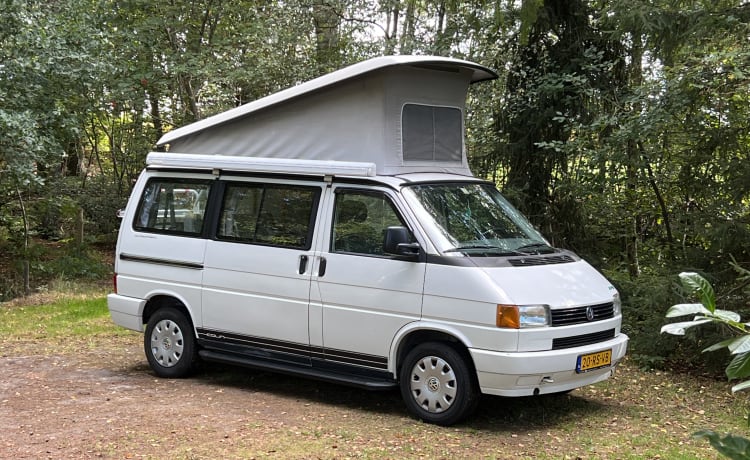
369, 261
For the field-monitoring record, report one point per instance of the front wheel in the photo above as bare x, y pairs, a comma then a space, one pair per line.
170, 344
437, 384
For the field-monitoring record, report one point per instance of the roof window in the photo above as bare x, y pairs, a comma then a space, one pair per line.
431, 133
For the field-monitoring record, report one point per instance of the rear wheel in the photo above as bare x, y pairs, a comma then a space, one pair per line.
437, 384
170, 344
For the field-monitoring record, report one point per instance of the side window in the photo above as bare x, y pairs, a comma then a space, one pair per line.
173, 206
360, 222
275, 215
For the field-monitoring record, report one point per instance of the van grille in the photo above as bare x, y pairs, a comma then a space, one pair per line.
577, 315
581, 340
532, 261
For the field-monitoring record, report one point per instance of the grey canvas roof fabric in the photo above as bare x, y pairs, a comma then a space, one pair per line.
359, 113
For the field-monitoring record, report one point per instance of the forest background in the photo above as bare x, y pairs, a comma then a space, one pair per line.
620, 128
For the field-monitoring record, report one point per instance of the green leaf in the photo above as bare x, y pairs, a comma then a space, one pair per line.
741, 386
696, 284
720, 345
683, 309
727, 315
680, 328
740, 345
739, 367
734, 447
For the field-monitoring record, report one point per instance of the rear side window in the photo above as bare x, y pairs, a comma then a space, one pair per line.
173, 206
276, 215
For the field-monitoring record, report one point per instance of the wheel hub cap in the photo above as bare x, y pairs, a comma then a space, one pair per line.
167, 343
433, 384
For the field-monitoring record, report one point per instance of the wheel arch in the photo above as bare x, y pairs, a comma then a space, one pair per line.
415, 333
159, 301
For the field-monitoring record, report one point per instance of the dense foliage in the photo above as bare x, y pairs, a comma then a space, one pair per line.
619, 127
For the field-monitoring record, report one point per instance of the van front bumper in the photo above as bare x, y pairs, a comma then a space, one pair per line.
126, 311
542, 372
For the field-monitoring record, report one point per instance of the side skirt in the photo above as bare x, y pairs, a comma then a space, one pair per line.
319, 372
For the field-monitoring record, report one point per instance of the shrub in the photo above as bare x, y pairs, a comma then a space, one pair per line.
705, 312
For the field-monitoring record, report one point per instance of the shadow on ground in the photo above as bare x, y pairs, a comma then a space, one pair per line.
494, 413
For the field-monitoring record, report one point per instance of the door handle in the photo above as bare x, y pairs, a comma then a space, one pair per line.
322, 266
302, 264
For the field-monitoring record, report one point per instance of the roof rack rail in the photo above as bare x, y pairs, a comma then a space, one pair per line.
256, 164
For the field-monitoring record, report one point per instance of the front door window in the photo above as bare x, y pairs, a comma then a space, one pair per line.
360, 222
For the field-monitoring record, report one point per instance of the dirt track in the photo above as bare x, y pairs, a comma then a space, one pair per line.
99, 399
107, 403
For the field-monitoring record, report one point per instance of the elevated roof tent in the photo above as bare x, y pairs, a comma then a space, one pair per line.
402, 113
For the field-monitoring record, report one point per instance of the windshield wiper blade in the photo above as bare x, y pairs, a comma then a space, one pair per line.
534, 246
487, 247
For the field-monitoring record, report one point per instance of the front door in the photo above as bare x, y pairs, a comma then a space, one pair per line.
366, 295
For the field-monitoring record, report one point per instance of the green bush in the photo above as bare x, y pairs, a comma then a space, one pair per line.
62, 261
706, 313
643, 309
100, 200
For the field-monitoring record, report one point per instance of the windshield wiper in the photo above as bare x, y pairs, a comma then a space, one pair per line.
534, 246
486, 247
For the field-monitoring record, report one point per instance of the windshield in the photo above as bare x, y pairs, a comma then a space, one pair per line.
474, 219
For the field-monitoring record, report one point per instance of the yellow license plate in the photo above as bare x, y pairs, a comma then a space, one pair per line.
593, 361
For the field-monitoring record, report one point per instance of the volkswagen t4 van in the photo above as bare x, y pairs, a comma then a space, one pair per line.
334, 231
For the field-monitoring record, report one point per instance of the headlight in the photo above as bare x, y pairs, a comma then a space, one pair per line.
616, 304
522, 316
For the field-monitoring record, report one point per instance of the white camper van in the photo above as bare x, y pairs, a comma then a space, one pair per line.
334, 231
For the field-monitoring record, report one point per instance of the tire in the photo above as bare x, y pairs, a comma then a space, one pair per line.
169, 344
437, 384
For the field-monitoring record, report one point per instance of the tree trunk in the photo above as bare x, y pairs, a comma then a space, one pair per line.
631, 167
26, 271
156, 121
79, 228
406, 42
391, 33
326, 21
26, 279
659, 197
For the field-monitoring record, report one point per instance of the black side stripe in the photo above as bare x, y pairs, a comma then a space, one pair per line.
250, 341
348, 357
157, 261
340, 356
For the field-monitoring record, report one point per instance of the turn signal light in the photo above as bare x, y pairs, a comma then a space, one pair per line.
522, 316
508, 317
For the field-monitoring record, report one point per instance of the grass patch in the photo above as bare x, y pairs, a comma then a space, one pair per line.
66, 318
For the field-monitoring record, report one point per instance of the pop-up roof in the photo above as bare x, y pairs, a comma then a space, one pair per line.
403, 113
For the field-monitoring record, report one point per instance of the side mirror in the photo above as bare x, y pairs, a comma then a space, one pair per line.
396, 242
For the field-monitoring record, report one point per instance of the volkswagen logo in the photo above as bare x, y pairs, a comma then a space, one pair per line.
590, 313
